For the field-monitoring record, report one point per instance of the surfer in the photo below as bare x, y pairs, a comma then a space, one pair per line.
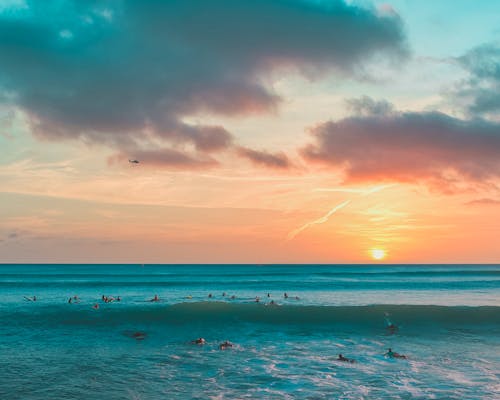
95, 306
199, 341
393, 354
118, 298
29, 298
257, 299
225, 345
210, 295
139, 335
156, 298
269, 295
345, 359
285, 295
70, 300
389, 326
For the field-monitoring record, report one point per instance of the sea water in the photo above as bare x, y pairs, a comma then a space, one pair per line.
448, 320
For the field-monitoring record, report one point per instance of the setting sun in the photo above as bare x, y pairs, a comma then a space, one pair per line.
377, 254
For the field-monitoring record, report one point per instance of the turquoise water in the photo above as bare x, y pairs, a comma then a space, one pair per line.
448, 320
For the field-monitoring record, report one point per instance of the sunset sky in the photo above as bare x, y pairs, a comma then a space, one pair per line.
267, 131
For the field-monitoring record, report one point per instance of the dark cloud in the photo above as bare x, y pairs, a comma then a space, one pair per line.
264, 158
365, 105
127, 73
481, 91
428, 147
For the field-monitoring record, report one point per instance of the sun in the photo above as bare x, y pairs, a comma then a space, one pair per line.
377, 254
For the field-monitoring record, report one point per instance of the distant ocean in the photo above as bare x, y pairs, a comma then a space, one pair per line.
447, 320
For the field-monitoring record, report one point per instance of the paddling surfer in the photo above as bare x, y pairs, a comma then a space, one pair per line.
393, 354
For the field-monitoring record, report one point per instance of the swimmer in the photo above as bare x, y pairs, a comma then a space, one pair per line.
200, 341
345, 359
118, 298
225, 345
95, 306
393, 354
156, 298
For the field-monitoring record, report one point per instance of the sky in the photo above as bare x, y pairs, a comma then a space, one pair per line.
267, 131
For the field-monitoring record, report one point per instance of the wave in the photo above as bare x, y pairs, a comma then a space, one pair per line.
373, 316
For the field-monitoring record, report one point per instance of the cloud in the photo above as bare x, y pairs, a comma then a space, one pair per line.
365, 105
128, 73
483, 202
428, 147
263, 158
480, 92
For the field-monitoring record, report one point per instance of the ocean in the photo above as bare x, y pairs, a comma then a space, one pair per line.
445, 319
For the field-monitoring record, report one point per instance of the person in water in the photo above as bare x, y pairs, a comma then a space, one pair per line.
285, 295
391, 328
225, 345
139, 335
118, 298
210, 295
156, 298
70, 300
345, 359
393, 354
95, 306
200, 341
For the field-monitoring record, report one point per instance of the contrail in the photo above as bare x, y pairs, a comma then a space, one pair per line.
362, 192
321, 220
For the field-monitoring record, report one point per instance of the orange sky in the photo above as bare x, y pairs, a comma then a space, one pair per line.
295, 139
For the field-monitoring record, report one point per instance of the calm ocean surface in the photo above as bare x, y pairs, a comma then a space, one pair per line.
448, 319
